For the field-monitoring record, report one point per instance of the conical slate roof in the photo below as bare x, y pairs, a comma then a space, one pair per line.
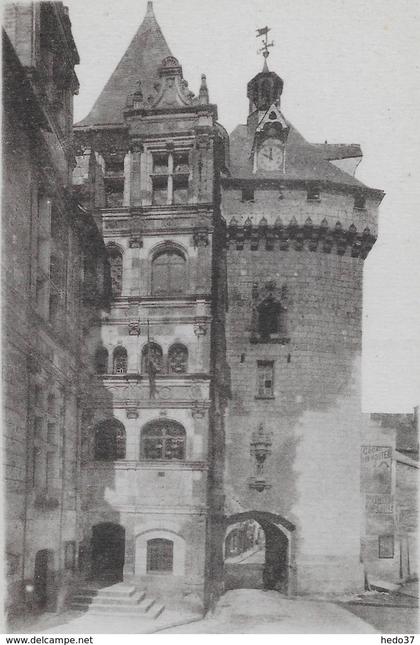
139, 63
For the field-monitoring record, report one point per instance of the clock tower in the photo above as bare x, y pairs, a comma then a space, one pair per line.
266, 122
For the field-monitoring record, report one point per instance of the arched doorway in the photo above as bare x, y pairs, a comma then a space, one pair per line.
43, 573
258, 552
108, 551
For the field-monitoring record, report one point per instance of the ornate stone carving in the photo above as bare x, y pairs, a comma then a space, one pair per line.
260, 448
136, 242
198, 410
201, 237
200, 326
322, 237
134, 328
202, 141
132, 413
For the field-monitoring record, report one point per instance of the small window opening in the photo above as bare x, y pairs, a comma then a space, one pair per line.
265, 379
313, 193
386, 546
247, 195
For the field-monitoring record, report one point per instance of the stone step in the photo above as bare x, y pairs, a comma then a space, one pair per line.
120, 589
134, 599
140, 608
151, 614
119, 599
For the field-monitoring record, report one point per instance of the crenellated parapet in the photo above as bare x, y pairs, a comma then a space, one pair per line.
282, 236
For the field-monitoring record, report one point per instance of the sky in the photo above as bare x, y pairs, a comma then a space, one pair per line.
351, 74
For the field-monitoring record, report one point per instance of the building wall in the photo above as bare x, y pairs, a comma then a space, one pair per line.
389, 487
44, 240
407, 479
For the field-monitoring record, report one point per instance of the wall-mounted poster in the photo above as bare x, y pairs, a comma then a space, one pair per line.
376, 469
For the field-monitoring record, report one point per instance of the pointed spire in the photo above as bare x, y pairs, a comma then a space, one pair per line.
139, 67
265, 66
203, 94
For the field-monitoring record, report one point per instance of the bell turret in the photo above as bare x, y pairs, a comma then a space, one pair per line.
265, 89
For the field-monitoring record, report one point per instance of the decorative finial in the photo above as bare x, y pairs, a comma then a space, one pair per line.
263, 33
149, 11
203, 94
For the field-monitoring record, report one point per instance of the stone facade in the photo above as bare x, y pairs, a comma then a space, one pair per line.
159, 220
271, 228
226, 381
45, 372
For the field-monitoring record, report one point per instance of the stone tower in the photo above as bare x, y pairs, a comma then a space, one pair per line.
299, 226
147, 439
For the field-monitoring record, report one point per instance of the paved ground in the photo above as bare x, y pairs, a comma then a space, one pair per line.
253, 611
76, 622
388, 620
394, 612
250, 611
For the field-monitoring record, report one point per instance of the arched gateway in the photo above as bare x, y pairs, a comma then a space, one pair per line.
259, 552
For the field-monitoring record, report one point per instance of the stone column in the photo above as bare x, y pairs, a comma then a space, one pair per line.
136, 176
203, 262
127, 178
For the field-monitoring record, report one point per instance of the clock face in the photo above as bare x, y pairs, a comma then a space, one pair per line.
270, 155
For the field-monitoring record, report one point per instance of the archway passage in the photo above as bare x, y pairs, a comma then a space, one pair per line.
257, 551
43, 578
108, 552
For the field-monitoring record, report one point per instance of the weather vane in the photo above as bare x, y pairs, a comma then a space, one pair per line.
265, 44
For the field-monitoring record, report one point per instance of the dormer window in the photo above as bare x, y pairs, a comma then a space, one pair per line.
360, 202
313, 193
247, 195
170, 178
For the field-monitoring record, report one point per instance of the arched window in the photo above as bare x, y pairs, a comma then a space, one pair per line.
169, 273
110, 441
101, 361
163, 439
160, 555
271, 319
119, 362
152, 352
116, 267
178, 359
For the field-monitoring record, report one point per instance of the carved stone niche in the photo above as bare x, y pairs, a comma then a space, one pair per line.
269, 313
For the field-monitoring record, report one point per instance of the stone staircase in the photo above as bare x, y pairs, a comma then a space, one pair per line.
119, 599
